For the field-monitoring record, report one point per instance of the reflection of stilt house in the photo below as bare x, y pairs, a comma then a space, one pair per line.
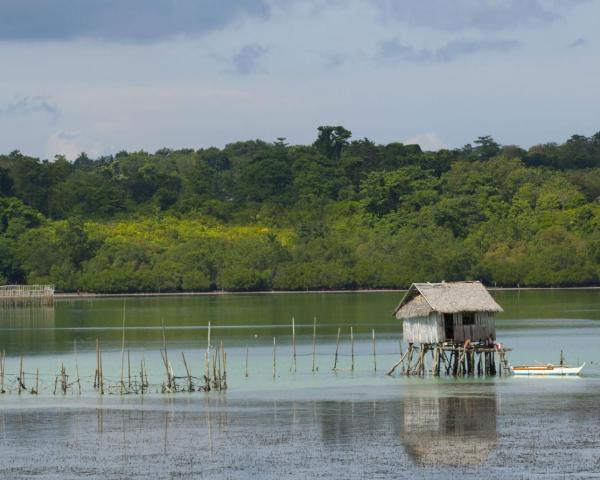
455, 318
456, 431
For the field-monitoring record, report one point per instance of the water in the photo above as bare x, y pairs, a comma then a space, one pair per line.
345, 424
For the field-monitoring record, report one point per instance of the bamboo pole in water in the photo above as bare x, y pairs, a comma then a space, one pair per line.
37, 381
337, 347
189, 375
207, 356
374, 352
122, 386
224, 364
352, 347
246, 361
128, 371
76, 365
142, 376
2, 356
274, 357
97, 372
206, 372
293, 345
314, 343
21, 382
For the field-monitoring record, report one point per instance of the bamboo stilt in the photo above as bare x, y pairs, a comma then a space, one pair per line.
352, 347
337, 347
274, 357
2, 357
314, 343
409, 358
122, 386
188, 374
100, 370
374, 352
293, 368
402, 357
128, 371
21, 380
76, 366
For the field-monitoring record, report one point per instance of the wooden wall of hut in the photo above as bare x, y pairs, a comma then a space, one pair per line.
432, 328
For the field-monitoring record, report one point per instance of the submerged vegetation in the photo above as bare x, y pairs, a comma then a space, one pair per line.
335, 214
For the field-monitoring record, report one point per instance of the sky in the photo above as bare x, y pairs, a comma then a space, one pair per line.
101, 76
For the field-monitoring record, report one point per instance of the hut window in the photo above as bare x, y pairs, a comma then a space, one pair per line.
468, 318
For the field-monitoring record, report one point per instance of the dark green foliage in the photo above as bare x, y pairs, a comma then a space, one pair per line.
332, 140
337, 214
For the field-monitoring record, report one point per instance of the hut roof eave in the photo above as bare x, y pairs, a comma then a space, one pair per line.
446, 297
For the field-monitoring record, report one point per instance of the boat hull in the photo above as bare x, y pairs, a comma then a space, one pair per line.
547, 370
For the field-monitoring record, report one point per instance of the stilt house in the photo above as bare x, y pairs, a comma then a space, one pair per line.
447, 312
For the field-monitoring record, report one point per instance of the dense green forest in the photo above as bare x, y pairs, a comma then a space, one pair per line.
339, 213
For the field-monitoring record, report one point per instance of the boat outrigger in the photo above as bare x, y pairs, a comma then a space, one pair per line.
562, 369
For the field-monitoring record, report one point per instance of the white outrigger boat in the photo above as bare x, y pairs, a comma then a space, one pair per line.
562, 369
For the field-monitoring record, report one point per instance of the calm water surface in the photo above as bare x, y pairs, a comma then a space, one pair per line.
344, 424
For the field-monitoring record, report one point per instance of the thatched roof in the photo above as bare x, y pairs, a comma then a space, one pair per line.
452, 297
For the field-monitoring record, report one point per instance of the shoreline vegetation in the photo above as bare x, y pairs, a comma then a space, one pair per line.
337, 215
84, 295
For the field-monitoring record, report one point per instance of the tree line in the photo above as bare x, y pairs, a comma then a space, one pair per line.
340, 213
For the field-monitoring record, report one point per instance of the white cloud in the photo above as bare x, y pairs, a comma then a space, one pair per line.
427, 141
71, 144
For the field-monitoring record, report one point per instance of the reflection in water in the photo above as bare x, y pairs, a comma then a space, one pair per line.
20, 328
449, 430
454, 431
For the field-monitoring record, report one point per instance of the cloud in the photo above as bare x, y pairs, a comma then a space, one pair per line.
483, 15
247, 60
427, 141
333, 60
578, 42
394, 49
119, 20
71, 143
28, 105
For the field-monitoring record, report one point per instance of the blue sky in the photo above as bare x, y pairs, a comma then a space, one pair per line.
104, 75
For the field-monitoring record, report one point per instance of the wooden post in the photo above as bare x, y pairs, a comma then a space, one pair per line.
402, 357
314, 343
189, 375
224, 363
122, 386
409, 359
224, 370
246, 361
76, 366
274, 348
101, 370
352, 347
207, 356
165, 356
96, 377
206, 372
128, 371
142, 376
337, 346
2, 357
37, 381
374, 352
293, 345
21, 381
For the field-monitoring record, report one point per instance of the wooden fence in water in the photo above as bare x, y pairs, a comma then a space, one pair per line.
12, 296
